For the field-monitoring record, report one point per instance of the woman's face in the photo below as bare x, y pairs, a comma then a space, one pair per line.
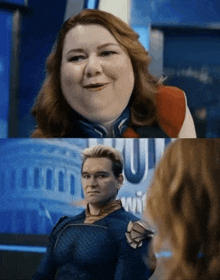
97, 76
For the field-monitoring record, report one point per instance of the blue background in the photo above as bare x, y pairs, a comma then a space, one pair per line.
40, 180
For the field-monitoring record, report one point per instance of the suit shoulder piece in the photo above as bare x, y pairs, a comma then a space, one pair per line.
118, 222
63, 218
137, 232
171, 109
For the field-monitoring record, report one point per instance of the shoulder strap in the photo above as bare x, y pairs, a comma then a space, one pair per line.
171, 108
130, 133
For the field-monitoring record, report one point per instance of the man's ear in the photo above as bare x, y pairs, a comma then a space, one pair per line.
120, 180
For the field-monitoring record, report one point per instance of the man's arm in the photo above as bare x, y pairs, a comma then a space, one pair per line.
46, 268
135, 258
133, 263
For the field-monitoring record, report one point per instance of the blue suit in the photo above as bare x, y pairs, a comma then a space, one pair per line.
97, 251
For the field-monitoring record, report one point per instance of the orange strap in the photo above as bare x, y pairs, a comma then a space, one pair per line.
171, 109
130, 133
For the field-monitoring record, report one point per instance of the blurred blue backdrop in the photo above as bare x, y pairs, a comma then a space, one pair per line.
40, 180
5, 49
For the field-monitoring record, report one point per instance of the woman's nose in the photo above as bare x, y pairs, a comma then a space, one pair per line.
93, 66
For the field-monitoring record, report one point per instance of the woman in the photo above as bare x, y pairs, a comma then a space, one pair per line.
183, 204
98, 85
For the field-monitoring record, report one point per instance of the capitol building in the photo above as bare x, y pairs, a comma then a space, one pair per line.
39, 183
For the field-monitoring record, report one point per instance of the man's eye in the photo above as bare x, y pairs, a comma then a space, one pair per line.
85, 176
107, 53
76, 58
100, 176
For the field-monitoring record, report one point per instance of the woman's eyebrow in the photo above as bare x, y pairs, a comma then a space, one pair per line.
99, 47
107, 44
75, 50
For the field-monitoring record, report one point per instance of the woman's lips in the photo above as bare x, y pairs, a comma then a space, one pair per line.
98, 88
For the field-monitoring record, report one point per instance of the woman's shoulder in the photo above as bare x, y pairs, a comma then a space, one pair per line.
170, 92
171, 109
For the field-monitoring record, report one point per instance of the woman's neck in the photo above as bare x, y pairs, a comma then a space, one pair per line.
109, 126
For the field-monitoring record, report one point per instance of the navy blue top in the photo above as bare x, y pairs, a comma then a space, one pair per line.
97, 251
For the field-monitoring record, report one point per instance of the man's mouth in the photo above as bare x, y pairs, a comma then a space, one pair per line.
94, 191
91, 192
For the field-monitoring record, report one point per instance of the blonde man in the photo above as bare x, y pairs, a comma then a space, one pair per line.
95, 244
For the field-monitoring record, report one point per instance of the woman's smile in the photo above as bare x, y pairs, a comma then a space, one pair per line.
96, 87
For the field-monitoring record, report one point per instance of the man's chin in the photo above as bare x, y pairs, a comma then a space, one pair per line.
100, 203
93, 202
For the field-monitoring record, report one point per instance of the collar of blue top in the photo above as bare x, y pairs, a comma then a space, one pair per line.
83, 128
95, 130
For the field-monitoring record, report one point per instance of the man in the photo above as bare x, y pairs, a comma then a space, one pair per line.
103, 242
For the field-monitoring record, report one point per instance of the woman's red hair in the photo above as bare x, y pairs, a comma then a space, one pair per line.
183, 202
51, 109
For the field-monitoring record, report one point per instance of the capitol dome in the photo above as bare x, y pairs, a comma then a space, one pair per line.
39, 181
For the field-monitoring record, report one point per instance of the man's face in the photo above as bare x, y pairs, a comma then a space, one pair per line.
99, 183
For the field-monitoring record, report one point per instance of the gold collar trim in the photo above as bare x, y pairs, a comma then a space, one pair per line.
104, 211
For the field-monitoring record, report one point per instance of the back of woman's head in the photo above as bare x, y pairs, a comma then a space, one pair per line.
184, 205
51, 109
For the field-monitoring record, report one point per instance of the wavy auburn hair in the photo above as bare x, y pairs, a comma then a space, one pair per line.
54, 114
183, 203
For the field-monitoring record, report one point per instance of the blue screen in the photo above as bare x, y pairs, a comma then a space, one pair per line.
20, 2
5, 48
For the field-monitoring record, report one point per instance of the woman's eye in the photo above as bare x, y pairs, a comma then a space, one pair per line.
107, 53
76, 58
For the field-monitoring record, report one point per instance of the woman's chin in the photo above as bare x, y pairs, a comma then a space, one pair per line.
101, 118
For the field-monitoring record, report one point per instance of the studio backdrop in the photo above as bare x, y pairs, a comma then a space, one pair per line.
40, 180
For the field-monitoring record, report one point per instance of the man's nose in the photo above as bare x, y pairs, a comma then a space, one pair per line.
92, 182
93, 66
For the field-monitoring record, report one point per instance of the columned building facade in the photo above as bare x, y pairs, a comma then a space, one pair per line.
39, 181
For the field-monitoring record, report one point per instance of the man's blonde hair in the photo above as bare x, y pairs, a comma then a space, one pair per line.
102, 151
